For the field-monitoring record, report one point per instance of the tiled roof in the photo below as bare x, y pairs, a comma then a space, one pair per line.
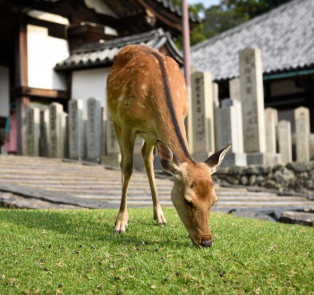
103, 54
285, 36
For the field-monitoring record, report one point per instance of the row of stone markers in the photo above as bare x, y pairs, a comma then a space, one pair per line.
255, 133
53, 133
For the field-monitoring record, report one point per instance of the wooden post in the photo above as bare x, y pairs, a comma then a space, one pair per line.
21, 79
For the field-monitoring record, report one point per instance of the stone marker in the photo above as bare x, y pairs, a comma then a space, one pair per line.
93, 130
302, 130
311, 147
234, 89
284, 141
65, 131
113, 156
271, 115
138, 162
216, 95
56, 135
75, 120
84, 146
228, 130
271, 126
252, 98
103, 133
32, 131
44, 133
202, 116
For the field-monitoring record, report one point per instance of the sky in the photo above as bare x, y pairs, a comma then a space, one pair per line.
206, 3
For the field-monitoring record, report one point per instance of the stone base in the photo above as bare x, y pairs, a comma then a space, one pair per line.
272, 159
255, 159
234, 159
111, 160
94, 160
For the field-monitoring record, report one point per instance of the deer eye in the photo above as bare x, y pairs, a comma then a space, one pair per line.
192, 184
189, 203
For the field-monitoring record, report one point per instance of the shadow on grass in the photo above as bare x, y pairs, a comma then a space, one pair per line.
86, 226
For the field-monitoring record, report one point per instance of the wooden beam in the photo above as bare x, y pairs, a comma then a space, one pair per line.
21, 71
54, 30
49, 94
168, 21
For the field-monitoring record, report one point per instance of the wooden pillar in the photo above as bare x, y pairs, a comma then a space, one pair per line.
21, 79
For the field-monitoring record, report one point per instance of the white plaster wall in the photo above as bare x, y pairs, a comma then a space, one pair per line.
90, 83
4, 91
43, 53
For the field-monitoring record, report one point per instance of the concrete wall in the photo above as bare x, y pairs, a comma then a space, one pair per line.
44, 52
90, 83
4, 91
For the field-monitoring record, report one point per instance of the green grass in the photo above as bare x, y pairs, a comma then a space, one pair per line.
74, 252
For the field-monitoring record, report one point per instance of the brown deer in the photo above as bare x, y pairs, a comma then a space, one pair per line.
147, 97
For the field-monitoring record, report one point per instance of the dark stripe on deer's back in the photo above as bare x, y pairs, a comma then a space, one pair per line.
170, 104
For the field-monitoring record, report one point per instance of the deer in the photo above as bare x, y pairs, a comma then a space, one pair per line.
147, 97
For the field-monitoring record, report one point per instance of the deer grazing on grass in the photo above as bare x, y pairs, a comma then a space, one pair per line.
147, 97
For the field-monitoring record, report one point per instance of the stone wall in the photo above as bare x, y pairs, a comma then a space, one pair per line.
298, 177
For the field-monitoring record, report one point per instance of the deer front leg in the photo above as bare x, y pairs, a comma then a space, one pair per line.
126, 141
148, 157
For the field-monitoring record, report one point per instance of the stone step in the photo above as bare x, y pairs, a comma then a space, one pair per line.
230, 204
136, 197
49, 182
92, 185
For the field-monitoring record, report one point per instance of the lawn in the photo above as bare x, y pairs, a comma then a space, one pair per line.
75, 252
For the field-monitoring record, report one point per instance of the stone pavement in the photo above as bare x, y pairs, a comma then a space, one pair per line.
29, 182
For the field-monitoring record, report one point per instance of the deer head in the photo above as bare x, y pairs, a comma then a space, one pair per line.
193, 191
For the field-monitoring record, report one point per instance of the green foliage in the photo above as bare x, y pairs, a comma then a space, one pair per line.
75, 252
228, 14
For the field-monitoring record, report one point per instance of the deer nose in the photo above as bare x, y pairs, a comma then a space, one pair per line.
207, 243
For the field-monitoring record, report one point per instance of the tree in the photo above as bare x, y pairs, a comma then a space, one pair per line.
226, 15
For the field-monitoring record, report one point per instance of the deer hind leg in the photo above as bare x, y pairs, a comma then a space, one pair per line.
148, 157
126, 141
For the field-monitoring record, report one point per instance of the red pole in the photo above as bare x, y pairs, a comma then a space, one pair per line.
186, 43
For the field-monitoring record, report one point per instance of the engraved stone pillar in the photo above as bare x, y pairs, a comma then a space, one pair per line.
75, 120
56, 135
216, 95
44, 133
252, 97
234, 89
137, 156
311, 143
271, 126
65, 132
103, 133
32, 131
284, 141
202, 115
302, 129
228, 130
113, 156
93, 130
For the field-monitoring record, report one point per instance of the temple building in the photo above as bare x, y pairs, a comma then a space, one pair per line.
50, 51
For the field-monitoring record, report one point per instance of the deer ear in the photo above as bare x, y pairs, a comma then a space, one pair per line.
215, 160
169, 161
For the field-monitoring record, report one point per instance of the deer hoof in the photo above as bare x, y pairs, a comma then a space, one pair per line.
162, 223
